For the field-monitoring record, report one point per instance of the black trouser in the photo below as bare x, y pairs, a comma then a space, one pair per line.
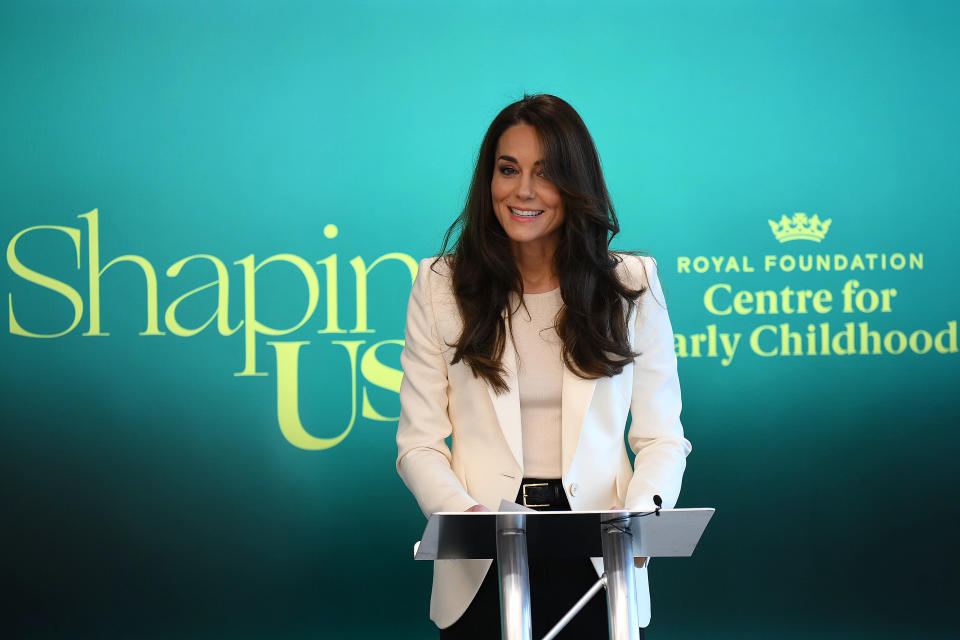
556, 583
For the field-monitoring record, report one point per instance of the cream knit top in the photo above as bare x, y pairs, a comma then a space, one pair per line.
540, 379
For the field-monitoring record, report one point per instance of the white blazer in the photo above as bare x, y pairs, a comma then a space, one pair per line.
485, 466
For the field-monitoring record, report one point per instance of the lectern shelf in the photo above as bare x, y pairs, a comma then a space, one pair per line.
455, 536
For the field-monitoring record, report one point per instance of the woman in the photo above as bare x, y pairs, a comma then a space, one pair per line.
529, 342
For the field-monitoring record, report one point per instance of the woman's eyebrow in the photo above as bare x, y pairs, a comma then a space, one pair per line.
512, 159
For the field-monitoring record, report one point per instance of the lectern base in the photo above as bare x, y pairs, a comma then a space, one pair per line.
515, 622
621, 589
556, 583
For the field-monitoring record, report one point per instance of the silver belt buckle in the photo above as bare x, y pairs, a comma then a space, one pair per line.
533, 484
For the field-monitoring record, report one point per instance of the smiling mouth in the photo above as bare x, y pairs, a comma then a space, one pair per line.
525, 213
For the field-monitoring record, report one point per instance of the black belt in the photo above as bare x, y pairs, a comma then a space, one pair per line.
543, 494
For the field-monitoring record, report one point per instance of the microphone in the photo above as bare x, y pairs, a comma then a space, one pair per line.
657, 500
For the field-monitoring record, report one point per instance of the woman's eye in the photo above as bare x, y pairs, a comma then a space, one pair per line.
509, 171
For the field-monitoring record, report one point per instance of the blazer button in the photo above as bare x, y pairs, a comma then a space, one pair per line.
573, 488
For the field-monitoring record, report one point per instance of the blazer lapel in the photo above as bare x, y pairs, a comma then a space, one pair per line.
507, 404
575, 399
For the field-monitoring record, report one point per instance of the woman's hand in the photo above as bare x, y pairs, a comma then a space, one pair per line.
477, 508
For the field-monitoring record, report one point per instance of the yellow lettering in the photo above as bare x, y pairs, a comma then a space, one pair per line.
708, 299
742, 301
755, 340
223, 299
842, 343
252, 326
288, 403
695, 341
46, 282
888, 295
946, 340
680, 345
93, 225
915, 341
333, 326
362, 271
822, 300
380, 375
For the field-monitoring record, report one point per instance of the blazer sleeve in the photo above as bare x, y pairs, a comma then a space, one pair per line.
655, 434
423, 458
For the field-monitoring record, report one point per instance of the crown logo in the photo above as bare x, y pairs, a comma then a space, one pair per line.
800, 227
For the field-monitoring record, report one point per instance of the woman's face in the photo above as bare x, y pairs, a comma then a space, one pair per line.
528, 206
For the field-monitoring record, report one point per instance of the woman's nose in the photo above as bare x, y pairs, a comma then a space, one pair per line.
525, 190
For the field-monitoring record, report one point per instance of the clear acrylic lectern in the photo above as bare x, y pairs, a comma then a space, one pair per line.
617, 536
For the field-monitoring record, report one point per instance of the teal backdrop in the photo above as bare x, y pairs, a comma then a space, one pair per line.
210, 215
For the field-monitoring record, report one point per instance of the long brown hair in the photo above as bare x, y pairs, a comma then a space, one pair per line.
592, 325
